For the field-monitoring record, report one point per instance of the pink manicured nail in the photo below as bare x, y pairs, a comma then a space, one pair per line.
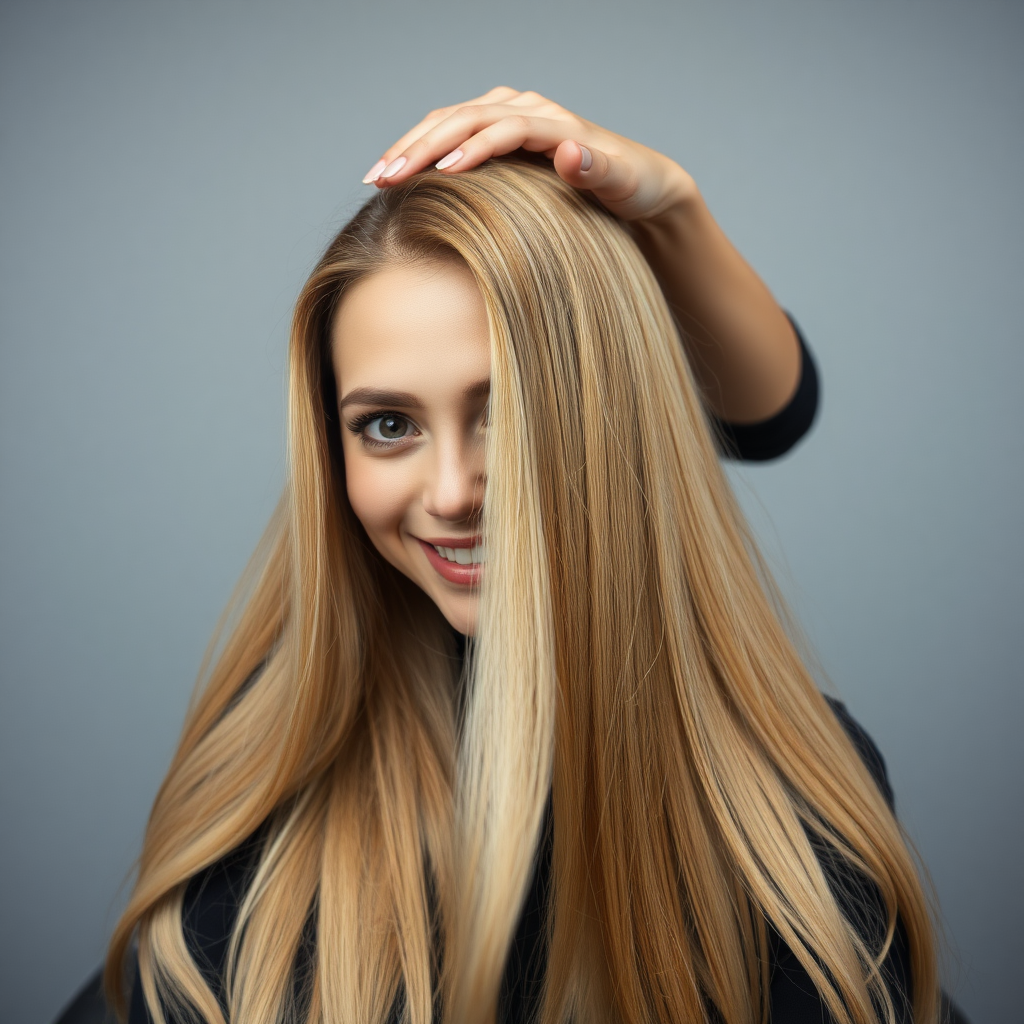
452, 158
588, 161
373, 172
394, 167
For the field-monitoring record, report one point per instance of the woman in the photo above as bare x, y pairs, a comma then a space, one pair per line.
627, 800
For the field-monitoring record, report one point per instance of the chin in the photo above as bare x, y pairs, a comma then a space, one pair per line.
461, 614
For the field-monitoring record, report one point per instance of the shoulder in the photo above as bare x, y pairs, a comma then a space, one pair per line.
793, 996
211, 904
213, 898
209, 911
794, 999
869, 752
859, 898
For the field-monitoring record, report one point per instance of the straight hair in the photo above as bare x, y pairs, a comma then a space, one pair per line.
630, 665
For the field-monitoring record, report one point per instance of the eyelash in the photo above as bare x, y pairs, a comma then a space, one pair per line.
358, 424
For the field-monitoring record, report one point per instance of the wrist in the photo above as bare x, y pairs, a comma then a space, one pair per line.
678, 226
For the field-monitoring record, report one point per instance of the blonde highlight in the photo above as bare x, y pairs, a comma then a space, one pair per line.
629, 666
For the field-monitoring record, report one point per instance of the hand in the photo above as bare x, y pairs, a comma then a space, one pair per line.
632, 181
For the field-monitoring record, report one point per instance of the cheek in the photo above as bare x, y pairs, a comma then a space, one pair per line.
380, 494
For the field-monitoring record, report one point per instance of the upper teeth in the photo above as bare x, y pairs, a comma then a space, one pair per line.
464, 556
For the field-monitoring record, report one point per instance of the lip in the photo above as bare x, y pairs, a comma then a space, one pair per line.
453, 542
452, 572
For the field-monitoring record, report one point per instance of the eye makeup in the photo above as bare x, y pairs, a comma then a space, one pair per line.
358, 426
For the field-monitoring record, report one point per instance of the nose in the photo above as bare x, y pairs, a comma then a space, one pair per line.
454, 489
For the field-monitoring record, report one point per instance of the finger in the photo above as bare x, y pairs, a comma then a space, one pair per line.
434, 118
500, 94
485, 130
611, 178
535, 134
529, 99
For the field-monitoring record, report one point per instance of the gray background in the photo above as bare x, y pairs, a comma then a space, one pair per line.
169, 174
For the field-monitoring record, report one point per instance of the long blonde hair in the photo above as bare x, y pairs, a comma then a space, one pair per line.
629, 662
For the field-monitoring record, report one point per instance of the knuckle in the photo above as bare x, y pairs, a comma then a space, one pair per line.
415, 151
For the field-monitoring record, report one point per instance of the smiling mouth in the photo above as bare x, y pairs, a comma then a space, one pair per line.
461, 565
461, 556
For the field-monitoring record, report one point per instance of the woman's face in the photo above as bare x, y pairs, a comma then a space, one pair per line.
411, 354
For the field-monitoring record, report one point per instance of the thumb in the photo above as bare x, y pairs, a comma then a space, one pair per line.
611, 179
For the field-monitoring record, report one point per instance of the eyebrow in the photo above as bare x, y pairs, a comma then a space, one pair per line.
405, 399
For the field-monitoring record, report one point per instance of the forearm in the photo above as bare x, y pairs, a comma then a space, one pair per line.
741, 345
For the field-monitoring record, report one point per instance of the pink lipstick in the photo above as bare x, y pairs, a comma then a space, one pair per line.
457, 560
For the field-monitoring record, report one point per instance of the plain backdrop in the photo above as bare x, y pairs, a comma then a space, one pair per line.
169, 174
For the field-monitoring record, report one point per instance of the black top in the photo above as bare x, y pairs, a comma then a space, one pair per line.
212, 899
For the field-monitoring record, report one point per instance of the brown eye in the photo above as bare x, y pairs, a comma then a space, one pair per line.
387, 428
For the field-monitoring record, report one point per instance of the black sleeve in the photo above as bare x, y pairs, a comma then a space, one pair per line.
770, 438
793, 997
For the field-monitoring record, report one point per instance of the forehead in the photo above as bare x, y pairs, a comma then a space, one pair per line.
411, 327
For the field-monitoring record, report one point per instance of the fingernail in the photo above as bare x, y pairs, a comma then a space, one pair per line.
587, 162
373, 172
446, 161
394, 167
